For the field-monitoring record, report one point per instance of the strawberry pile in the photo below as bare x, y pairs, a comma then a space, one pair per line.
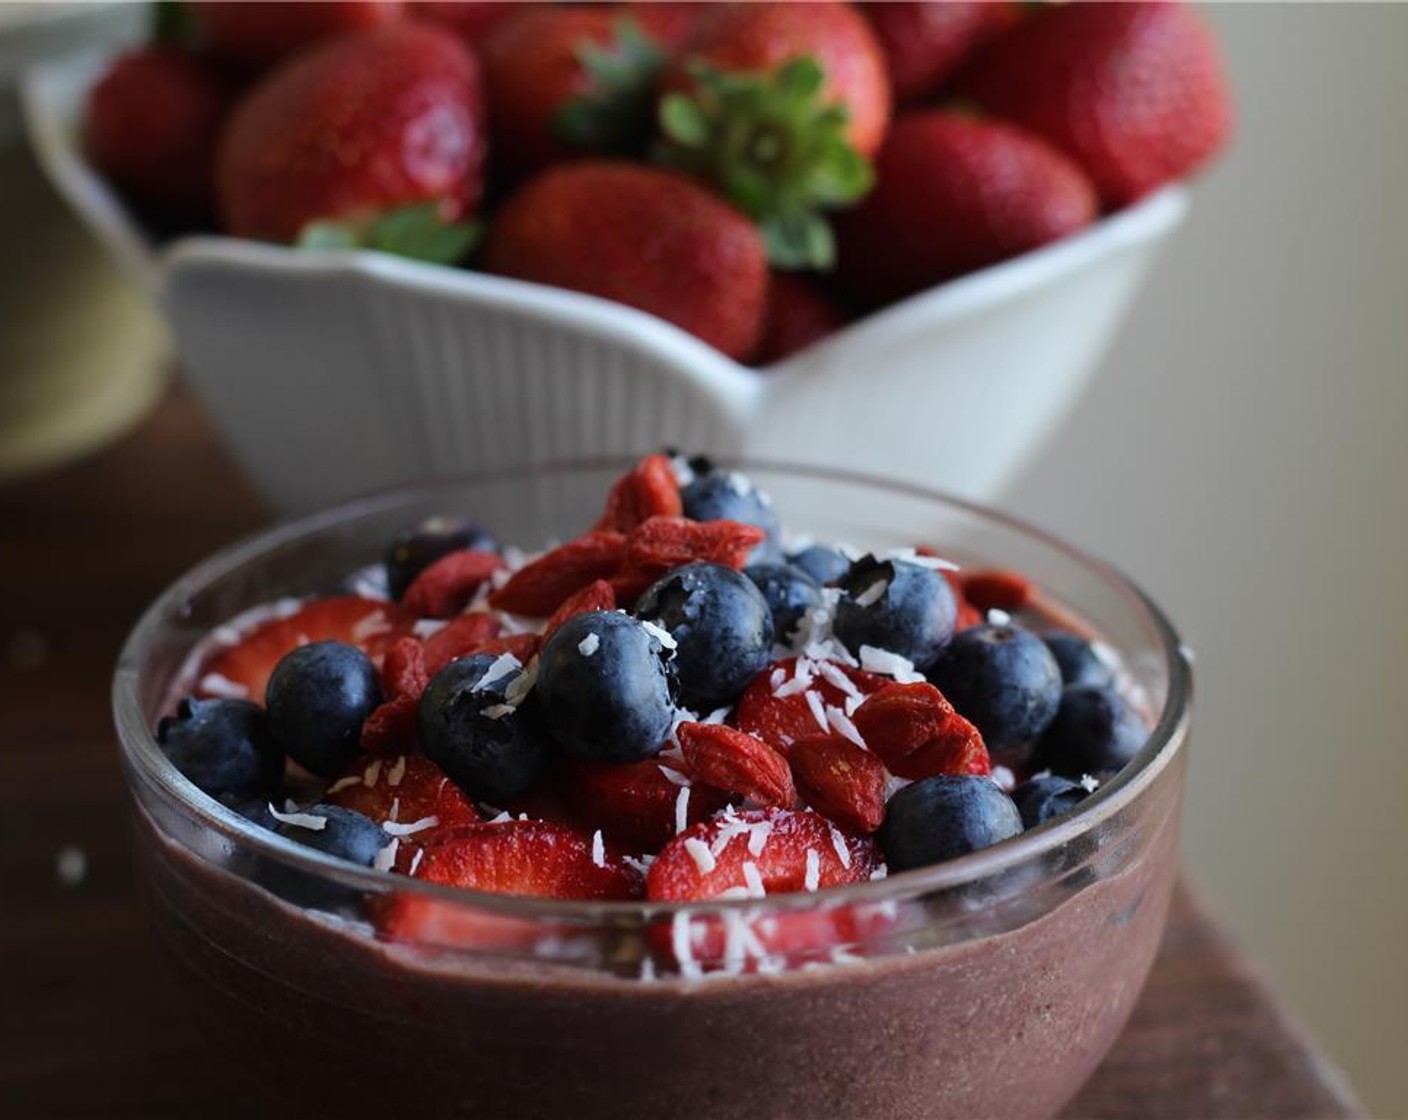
519, 724
755, 173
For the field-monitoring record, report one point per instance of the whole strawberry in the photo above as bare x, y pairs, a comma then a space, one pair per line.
925, 41
366, 125
778, 106
257, 32
472, 20
956, 193
564, 82
668, 22
1134, 92
799, 312
643, 237
152, 121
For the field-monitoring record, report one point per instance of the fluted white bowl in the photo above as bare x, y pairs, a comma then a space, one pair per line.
332, 373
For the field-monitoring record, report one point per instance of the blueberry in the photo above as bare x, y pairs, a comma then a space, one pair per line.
1077, 659
1096, 731
466, 729
716, 494
253, 809
606, 688
896, 606
943, 818
722, 628
421, 545
790, 593
347, 835
1043, 798
825, 565
223, 746
318, 697
1003, 679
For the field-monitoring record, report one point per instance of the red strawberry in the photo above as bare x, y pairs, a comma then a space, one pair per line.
840, 781
781, 720
256, 32
926, 40
472, 20
774, 841
668, 22
747, 38
152, 122
918, 734
799, 313
565, 82
646, 238
956, 193
362, 127
635, 803
515, 857
735, 762
404, 790
373, 626
1134, 92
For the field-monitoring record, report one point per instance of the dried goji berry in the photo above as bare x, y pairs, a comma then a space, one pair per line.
444, 588
917, 733
736, 762
403, 671
840, 781
662, 544
778, 720
521, 646
997, 590
541, 586
968, 615
459, 638
391, 728
649, 490
597, 596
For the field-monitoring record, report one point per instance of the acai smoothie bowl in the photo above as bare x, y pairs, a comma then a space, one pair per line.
601, 790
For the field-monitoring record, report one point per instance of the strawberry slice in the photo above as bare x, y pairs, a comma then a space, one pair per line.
635, 803
734, 856
781, 720
371, 625
404, 791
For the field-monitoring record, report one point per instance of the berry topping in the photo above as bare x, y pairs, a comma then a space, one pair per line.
825, 565
1004, 679
896, 606
596, 596
1078, 660
223, 746
1096, 731
420, 546
458, 638
790, 593
343, 833
840, 780
734, 762
721, 627
541, 586
798, 697
997, 590
445, 586
408, 796
1049, 796
945, 817
318, 698
917, 733
649, 490
640, 804
606, 687
471, 725
663, 544
715, 494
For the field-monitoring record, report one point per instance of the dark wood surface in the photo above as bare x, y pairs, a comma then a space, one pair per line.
88, 1026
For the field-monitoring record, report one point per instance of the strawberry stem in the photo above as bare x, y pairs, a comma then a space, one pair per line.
418, 232
615, 115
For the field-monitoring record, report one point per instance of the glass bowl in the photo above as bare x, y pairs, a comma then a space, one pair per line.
991, 985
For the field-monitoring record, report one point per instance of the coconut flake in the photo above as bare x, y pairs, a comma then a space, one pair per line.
424, 628
776, 679
343, 783
911, 556
758, 833
589, 645
502, 666
886, 663
718, 715
503, 817
682, 943
385, 858
998, 617
372, 773
498, 711
640, 863
682, 810
397, 771
818, 710
754, 879
873, 594
395, 828
222, 687
882, 871
598, 849
813, 878
700, 853
518, 688
301, 820
1005, 779
842, 849
833, 674
1088, 783
660, 634
842, 725
369, 625
674, 776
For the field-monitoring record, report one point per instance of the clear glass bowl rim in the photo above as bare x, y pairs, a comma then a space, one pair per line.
141, 752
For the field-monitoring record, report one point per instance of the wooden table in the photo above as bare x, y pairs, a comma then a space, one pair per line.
87, 1024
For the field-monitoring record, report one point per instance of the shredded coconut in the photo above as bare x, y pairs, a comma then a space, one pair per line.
372, 773
674, 776
682, 943
397, 771
415, 861
518, 688
302, 820
1089, 783
873, 594
842, 725
424, 628
498, 711
222, 687
598, 849
882, 661
394, 828
370, 624
682, 810
589, 645
700, 853
838, 842
386, 856
503, 665
758, 834
998, 617
818, 710
344, 783
754, 879
813, 879
660, 634
1005, 779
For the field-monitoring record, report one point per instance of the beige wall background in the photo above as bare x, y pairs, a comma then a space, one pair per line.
1244, 454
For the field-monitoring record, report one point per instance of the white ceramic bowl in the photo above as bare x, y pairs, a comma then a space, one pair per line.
335, 373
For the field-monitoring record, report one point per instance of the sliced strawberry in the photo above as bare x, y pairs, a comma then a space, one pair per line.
597, 596
840, 781
735, 762
541, 586
404, 790
445, 588
635, 803
548, 801
780, 720
649, 490
459, 638
997, 590
367, 623
918, 734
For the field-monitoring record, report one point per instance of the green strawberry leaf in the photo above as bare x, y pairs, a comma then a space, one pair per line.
769, 144
614, 115
330, 235
417, 232
171, 23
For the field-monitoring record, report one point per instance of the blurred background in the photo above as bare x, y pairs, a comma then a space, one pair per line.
1242, 455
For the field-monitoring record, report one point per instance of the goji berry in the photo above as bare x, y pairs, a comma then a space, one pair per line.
917, 733
840, 781
444, 588
997, 590
541, 586
662, 544
459, 638
736, 762
597, 596
649, 490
